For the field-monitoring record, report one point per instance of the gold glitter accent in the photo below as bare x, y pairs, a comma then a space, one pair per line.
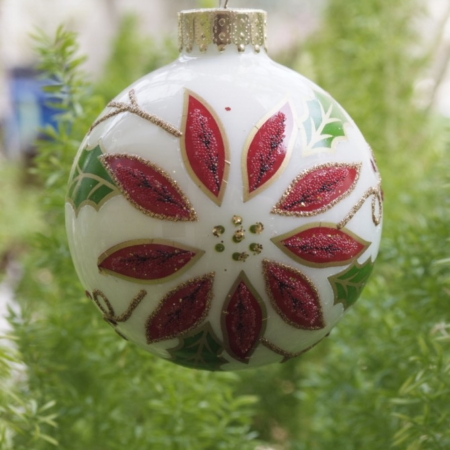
192, 214
134, 108
286, 355
377, 198
278, 241
240, 257
258, 228
239, 235
108, 313
218, 230
220, 248
277, 208
210, 277
256, 248
243, 278
222, 27
273, 302
374, 162
198, 254
237, 220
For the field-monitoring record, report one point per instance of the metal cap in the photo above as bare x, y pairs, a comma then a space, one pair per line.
222, 27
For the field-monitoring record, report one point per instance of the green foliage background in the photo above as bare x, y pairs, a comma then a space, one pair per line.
381, 381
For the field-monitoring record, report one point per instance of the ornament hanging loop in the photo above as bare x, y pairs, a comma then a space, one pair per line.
224, 6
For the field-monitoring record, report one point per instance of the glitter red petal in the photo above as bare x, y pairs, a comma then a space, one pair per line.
181, 310
318, 189
322, 245
293, 296
147, 261
149, 188
204, 148
268, 150
243, 321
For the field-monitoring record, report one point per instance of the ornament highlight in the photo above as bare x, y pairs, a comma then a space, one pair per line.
224, 212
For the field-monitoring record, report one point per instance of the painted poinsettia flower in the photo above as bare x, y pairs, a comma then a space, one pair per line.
261, 272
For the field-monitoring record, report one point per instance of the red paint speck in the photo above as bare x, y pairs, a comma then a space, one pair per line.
227, 108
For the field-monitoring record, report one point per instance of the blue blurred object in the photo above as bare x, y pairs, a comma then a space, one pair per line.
28, 112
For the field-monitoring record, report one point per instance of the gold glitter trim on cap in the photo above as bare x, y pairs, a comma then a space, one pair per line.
222, 27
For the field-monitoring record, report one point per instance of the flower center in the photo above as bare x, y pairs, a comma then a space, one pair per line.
243, 239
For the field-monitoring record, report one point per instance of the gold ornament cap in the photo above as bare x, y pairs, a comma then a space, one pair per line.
243, 28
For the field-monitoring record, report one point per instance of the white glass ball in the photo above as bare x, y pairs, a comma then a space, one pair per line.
224, 211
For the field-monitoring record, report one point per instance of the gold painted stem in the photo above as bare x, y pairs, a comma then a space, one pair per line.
134, 108
376, 193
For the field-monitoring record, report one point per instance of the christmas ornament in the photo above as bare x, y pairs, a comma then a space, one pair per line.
223, 212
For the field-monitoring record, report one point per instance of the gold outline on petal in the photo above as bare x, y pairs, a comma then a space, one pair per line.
198, 254
79, 177
170, 180
276, 209
287, 355
289, 149
210, 276
266, 263
242, 278
278, 242
224, 182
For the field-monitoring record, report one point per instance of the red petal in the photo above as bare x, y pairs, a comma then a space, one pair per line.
269, 150
204, 148
322, 245
242, 322
181, 310
149, 188
293, 296
318, 189
148, 260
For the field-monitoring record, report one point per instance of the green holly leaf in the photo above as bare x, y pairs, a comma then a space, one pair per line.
325, 125
348, 285
90, 183
201, 350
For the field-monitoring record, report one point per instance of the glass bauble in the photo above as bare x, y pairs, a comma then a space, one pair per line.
224, 212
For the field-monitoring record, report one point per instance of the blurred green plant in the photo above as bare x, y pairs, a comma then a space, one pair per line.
19, 209
422, 403
133, 55
208, 3
20, 415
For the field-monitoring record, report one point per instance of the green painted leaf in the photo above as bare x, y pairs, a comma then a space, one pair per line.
324, 125
201, 350
348, 285
90, 183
